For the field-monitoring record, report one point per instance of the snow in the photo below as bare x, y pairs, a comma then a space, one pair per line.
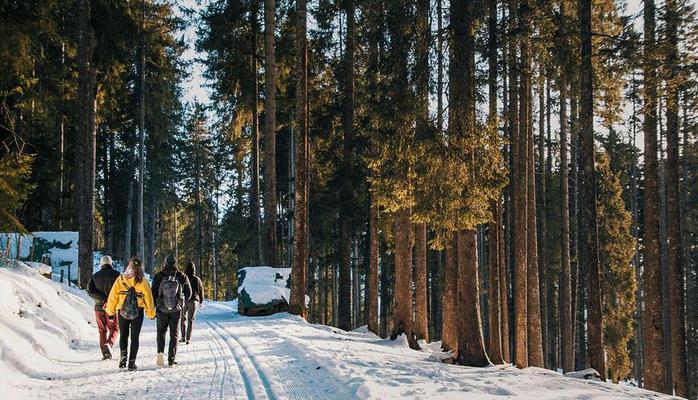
234, 357
60, 258
265, 284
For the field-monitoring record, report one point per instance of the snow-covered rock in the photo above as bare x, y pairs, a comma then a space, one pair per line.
59, 248
263, 290
588, 374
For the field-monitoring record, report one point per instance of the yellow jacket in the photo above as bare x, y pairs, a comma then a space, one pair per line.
116, 298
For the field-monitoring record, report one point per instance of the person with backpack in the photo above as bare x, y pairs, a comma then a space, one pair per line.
171, 290
197, 298
98, 288
132, 298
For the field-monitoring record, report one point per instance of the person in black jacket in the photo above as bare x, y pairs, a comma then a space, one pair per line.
98, 288
197, 298
171, 291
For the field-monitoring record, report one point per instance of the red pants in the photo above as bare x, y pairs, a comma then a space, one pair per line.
108, 328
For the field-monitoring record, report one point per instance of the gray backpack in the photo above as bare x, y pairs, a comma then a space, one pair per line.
170, 295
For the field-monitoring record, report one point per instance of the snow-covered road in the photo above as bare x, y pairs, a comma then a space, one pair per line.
217, 364
48, 350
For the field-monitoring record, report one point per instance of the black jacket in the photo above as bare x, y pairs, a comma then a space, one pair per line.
197, 288
100, 285
181, 278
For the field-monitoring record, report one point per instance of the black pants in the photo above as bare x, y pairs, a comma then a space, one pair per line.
168, 321
188, 316
134, 327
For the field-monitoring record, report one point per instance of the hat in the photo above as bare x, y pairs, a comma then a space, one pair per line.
170, 262
105, 260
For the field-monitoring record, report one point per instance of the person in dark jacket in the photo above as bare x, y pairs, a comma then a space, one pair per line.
197, 298
98, 288
171, 291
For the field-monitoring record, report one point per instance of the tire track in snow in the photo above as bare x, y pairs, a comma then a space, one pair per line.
252, 390
216, 359
241, 355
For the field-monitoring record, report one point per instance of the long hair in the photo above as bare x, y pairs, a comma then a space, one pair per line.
190, 268
137, 266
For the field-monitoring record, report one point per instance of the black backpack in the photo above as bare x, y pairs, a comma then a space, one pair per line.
170, 295
129, 310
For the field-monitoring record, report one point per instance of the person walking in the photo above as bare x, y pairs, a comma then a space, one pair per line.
171, 291
98, 288
197, 299
132, 298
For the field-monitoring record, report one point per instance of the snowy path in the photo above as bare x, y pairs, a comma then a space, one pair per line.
216, 365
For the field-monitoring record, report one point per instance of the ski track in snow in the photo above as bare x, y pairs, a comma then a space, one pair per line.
217, 364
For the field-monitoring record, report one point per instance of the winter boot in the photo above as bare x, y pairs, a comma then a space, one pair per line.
182, 340
122, 360
132, 365
160, 360
106, 354
171, 361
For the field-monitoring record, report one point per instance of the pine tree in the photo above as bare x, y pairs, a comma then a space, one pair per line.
616, 248
674, 223
297, 303
270, 250
653, 326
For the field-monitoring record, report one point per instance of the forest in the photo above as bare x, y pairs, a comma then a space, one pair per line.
515, 178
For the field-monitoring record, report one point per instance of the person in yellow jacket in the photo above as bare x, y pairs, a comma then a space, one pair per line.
133, 277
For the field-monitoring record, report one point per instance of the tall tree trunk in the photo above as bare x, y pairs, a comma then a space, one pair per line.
634, 178
253, 96
421, 322
372, 278
653, 325
677, 340
423, 133
566, 320
270, 133
347, 191
403, 278
299, 278
535, 341
140, 229
85, 141
578, 287
471, 346
520, 356
128, 237
542, 233
495, 240
449, 339
588, 232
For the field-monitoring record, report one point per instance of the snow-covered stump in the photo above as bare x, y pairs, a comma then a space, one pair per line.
263, 290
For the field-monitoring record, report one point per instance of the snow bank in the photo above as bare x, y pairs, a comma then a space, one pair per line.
61, 248
41, 322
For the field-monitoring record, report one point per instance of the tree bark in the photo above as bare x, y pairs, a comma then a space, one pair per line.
299, 278
520, 356
566, 321
255, 213
653, 325
346, 190
372, 279
449, 339
677, 340
588, 232
270, 132
421, 322
542, 233
495, 240
128, 236
471, 345
85, 141
140, 228
533, 335
403, 278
